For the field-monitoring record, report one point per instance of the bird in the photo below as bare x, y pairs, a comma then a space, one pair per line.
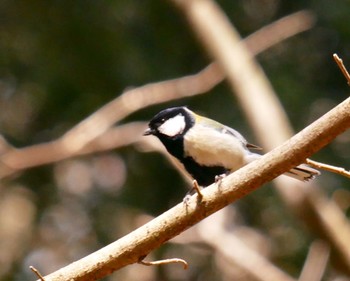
207, 149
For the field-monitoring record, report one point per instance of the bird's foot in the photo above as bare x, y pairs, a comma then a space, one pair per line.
219, 178
186, 198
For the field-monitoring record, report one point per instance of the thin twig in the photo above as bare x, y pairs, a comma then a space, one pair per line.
196, 187
37, 273
342, 67
165, 261
327, 167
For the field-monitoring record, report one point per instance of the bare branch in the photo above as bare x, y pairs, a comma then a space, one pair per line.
166, 261
37, 273
140, 242
330, 168
342, 67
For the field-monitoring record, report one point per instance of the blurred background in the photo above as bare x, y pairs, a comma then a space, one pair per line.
60, 61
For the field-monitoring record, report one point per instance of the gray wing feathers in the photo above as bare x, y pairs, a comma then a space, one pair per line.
230, 131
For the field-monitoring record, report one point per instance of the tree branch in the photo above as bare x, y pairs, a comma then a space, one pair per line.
132, 247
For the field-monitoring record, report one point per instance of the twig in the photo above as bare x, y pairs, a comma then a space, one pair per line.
165, 261
196, 187
330, 168
140, 242
37, 273
342, 67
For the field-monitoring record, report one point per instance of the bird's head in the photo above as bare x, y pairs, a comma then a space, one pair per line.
171, 123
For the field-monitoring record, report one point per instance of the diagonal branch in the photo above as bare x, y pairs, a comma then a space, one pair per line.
140, 242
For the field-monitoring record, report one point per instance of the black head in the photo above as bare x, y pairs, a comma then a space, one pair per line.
171, 123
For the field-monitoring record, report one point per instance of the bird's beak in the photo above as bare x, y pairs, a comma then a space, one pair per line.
148, 132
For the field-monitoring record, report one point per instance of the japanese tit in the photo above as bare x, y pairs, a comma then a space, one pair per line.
206, 148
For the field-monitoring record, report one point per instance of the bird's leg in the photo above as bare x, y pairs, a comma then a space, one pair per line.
187, 198
219, 178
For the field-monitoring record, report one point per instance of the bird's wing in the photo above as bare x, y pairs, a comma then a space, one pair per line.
228, 130
233, 132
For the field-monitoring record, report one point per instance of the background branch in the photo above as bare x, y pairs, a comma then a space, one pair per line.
316, 262
73, 142
226, 243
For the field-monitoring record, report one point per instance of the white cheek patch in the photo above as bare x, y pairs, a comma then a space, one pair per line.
173, 126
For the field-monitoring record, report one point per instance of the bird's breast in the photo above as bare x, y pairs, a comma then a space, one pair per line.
209, 147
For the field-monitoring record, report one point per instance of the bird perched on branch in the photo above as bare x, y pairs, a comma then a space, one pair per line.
206, 148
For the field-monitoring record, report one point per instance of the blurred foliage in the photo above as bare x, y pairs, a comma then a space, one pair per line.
62, 60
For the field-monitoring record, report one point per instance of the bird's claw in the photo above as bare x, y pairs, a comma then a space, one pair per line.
219, 178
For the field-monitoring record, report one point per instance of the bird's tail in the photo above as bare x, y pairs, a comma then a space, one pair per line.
303, 172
